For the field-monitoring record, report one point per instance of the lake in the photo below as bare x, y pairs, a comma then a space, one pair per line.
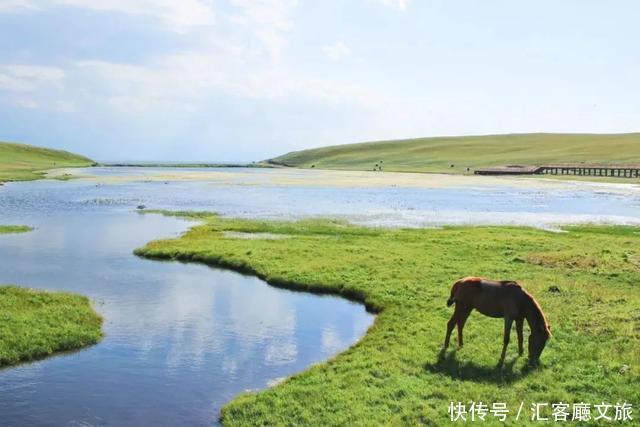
183, 339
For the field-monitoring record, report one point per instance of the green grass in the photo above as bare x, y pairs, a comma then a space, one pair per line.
393, 375
6, 229
36, 324
438, 154
20, 162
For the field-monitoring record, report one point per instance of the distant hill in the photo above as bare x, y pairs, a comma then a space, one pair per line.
439, 153
21, 162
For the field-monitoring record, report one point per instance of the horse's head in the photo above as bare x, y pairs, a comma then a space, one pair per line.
537, 340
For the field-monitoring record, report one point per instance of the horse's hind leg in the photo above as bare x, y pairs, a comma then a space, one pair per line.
519, 325
463, 315
508, 322
450, 325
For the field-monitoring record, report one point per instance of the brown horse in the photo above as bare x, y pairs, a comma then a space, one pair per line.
505, 299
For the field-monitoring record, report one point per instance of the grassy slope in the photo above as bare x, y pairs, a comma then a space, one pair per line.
20, 162
34, 324
393, 375
438, 154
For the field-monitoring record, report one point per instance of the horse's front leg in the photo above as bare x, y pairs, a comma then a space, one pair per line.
519, 325
508, 321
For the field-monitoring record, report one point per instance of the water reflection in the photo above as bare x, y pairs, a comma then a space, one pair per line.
181, 339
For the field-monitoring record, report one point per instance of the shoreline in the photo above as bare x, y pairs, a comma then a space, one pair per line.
340, 178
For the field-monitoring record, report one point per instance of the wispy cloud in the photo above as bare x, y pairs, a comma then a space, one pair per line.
396, 4
336, 51
181, 81
177, 15
34, 87
28, 78
242, 59
11, 6
267, 20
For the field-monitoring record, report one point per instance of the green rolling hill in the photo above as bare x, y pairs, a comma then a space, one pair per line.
438, 154
21, 162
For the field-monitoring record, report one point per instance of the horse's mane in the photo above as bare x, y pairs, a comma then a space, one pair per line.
537, 310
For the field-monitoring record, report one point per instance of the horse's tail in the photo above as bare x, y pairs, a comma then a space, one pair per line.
452, 298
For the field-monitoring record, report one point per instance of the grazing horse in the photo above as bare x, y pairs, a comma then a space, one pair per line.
505, 299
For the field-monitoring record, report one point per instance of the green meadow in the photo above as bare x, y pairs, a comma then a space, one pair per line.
440, 153
586, 279
21, 162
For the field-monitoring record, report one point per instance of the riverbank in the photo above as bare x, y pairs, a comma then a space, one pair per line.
338, 178
21, 162
585, 280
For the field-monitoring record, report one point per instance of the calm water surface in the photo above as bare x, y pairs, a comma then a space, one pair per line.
183, 339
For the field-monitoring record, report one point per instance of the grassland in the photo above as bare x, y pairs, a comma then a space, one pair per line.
393, 375
35, 324
20, 162
438, 154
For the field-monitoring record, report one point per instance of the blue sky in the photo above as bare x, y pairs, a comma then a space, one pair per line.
213, 80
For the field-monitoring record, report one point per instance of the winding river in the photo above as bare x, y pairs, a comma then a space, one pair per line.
183, 339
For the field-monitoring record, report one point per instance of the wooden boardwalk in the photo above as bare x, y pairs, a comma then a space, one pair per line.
617, 171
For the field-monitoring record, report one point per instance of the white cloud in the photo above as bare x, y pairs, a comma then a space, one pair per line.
272, 13
10, 6
177, 15
34, 87
27, 103
396, 4
180, 81
336, 51
240, 57
27, 78
267, 20
64, 106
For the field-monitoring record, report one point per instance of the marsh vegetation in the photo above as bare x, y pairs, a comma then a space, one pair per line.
35, 324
